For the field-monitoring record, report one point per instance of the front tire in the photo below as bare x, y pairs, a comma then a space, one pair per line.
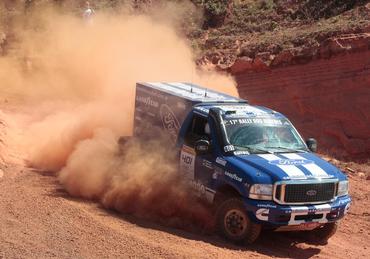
234, 224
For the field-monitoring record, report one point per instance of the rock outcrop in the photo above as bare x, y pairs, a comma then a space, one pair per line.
327, 96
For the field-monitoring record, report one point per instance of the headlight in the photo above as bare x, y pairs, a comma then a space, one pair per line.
261, 192
342, 188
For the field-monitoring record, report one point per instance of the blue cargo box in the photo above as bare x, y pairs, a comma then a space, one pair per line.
162, 107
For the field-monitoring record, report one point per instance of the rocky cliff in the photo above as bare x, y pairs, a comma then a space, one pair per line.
326, 95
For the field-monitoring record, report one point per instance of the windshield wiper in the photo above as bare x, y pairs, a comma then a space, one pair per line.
254, 149
290, 149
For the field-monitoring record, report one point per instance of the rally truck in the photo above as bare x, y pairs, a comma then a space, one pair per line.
248, 161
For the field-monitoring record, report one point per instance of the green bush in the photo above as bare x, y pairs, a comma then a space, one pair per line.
215, 12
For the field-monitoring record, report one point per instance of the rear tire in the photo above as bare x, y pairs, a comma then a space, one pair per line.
234, 224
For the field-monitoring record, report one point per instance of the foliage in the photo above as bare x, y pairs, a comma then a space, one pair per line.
317, 9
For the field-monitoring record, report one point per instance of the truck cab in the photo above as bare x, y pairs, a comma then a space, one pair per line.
248, 161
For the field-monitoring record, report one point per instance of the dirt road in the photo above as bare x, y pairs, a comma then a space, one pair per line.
38, 219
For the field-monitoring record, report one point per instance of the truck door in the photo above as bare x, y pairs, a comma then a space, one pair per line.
197, 168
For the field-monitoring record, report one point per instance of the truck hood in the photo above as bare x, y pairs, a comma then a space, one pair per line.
290, 166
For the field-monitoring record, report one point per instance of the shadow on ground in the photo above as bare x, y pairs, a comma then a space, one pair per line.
273, 244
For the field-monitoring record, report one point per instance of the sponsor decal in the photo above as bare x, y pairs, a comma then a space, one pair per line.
187, 162
169, 121
289, 168
199, 188
315, 170
207, 164
291, 162
241, 153
266, 206
229, 148
151, 92
185, 158
233, 176
221, 161
148, 101
262, 214
151, 114
266, 121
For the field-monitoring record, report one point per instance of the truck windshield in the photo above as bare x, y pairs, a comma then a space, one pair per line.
263, 135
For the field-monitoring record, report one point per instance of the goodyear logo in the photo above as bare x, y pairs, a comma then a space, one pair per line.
291, 162
233, 176
148, 101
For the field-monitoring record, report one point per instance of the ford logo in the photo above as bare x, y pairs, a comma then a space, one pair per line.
311, 193
170, 122
291, 162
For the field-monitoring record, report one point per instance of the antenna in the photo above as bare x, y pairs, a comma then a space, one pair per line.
205, 92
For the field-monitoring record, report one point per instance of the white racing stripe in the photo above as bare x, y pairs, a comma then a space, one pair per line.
291, 170
316, 171
293, 156
313, 168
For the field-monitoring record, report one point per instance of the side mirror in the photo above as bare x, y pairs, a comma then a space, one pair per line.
312, 144
202, 147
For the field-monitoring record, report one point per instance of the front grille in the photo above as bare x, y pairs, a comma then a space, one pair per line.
305, 193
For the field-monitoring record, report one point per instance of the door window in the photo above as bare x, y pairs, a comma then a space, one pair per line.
198, 129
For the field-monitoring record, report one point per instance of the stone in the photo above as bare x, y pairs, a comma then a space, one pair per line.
259, 65
362, 175
241, 65
283, 58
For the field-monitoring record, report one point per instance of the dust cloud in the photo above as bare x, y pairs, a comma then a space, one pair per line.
75, 82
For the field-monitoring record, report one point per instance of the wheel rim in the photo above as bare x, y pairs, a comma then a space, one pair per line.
235, 222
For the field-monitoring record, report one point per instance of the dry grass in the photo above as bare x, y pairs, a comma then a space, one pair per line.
255, 25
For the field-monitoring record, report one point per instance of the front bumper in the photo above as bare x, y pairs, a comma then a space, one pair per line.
271, 214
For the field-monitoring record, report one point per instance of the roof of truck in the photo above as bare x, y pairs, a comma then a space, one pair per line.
236, 110
192, 92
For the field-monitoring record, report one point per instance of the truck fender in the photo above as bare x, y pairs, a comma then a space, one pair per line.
223, 192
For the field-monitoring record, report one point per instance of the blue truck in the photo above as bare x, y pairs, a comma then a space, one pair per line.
248, 161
